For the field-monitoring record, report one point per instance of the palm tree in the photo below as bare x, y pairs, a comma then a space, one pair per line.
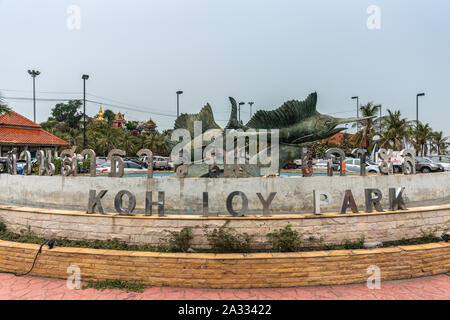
129, 142
423, 134
397, 131
363, 138
102, 138
155, 141
74, 137
440, 142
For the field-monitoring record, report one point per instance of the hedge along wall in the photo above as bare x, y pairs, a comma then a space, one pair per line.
230, 270
332, 227
294, 195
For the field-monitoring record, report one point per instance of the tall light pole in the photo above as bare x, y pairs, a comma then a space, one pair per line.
417, 119
251, 104
178, 102
84, 77
34, 74
357, 111
240, 104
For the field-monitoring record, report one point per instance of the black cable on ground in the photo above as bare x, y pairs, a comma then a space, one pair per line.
50, 243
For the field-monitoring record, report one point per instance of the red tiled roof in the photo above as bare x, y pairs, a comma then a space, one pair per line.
15, 119
339, 137
29, 137
16, 129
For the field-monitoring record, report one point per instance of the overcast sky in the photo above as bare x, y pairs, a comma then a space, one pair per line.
139, 53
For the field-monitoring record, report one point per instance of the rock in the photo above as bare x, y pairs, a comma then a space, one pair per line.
446, 236
190, 250
373, 245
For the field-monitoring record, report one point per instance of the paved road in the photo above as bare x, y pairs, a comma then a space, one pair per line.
436, 287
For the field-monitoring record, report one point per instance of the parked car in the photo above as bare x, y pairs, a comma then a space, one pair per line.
137, 161
99, 161
128, 166
291, 165
354, 165
320, 165
20, 164
170, 164
426, 165
160, 163
3, 165
443, 161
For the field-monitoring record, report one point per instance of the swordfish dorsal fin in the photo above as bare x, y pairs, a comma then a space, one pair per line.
289, 113
186, 121
234, 123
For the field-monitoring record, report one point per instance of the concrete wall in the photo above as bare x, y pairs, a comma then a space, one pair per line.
294, 195
331, 227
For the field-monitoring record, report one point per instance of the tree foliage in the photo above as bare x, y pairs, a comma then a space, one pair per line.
109, 116
68, 113
367, 128
397, 131
3, 106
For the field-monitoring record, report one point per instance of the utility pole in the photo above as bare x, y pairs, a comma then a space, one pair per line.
178, 102
417, 119
251, 104
34, 74
84, 77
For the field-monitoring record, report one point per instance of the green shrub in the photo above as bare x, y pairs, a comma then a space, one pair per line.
26, 236
429, 235
349, 245
2, 227
57, 163
115, 284
285, 240
84, 165
176, 241
228, 240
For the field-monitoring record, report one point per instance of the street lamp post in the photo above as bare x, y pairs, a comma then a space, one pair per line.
251, 104
84, 77
178, 102
417, 118
240, 104
357, 111
34, 74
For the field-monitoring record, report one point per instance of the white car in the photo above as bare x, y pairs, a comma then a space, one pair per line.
128, 166
321, 165
170, 164
354, 165
443, 161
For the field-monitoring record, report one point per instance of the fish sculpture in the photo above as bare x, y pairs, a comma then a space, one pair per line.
299, 124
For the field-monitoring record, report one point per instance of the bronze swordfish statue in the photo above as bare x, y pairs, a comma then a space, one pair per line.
298, 122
